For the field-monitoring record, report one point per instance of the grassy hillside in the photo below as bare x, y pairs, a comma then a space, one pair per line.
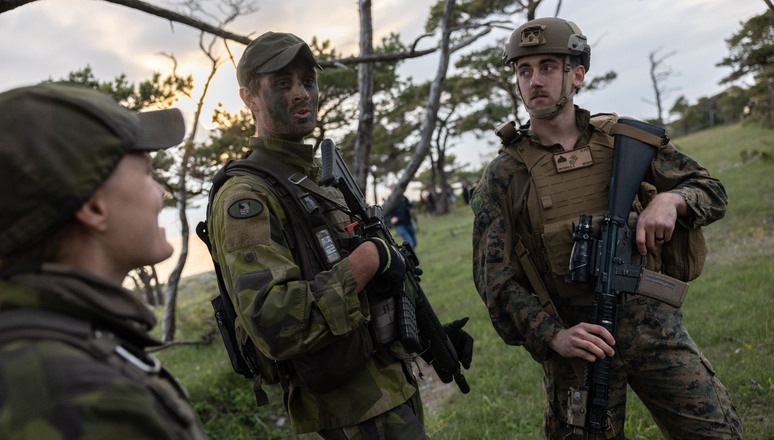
728, 312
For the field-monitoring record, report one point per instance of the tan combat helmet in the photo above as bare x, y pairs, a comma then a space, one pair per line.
549, 36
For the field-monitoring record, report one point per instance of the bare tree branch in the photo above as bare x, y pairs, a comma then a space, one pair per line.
184, 19
7, 5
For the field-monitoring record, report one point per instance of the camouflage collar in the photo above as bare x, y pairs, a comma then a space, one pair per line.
75, 292
291, 153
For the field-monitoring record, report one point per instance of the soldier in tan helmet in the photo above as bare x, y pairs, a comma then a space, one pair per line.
524, 207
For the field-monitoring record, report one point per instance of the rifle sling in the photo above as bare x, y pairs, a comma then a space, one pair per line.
578, 365
636, 133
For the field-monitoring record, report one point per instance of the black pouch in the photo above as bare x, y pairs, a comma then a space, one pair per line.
333, 366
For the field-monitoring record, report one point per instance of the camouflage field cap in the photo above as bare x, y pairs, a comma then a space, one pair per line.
58, 144
271, 52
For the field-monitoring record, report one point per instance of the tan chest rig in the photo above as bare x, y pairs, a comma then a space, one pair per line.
560, 186
547, 199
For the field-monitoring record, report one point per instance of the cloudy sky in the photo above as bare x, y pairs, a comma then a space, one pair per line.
49, 38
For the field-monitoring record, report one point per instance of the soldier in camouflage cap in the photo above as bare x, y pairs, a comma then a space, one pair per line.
547, 173
297, 275
79, 211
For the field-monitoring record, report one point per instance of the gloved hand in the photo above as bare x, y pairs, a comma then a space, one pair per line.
391, 272
461, 340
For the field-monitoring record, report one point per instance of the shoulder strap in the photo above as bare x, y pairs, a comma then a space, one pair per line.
608, 123
304, 213
541, 292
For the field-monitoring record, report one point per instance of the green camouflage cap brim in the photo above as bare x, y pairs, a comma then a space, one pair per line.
58, 144
271, 52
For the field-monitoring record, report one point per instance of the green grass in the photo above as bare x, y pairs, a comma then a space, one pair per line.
728, 312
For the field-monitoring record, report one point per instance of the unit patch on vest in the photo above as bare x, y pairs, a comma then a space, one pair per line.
574, 159
245, 208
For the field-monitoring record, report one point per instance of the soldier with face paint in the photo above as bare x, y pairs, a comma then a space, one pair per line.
296, 274
547, 173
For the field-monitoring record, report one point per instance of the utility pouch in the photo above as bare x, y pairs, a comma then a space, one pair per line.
577, 411
384, 317
683, 256
395, 318
333, 366
576, 408
225, 319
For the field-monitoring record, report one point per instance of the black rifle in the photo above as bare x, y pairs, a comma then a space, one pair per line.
608, 261
414, 310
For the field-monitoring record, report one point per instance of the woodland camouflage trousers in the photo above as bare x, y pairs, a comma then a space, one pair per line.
663, 365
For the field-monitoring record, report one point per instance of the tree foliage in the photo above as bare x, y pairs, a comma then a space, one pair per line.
751, 56
750, 95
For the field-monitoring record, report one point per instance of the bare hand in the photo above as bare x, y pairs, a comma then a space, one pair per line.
586, 341
657, 222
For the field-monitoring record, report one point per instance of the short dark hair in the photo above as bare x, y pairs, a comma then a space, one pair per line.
576, 60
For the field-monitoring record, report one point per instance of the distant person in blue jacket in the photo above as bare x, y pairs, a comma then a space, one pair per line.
400, 218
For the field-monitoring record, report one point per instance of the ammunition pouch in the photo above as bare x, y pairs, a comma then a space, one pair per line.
577, 405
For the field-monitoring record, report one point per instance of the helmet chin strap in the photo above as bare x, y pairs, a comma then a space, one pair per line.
564, 97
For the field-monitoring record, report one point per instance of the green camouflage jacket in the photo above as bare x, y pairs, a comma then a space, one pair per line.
102, 384
286, 316
514, 310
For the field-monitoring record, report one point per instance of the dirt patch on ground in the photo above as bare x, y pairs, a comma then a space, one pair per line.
433, 391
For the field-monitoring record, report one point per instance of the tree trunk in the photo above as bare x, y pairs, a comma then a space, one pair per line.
365, 85
433, 104
170, 300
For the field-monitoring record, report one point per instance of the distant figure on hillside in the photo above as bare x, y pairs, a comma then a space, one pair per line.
401, 219
550, 171
429, 200
451, 198
80, 210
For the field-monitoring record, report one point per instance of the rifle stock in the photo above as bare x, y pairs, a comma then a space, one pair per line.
413, 304
611, 271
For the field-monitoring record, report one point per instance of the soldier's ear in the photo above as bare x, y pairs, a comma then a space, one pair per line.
93, 214
246, 95
579, 75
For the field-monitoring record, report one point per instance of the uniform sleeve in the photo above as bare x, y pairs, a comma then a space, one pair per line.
282, 313
515, 312
705, 195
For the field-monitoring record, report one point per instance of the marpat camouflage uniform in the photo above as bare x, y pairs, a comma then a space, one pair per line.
654, 353
52, 389
286, 316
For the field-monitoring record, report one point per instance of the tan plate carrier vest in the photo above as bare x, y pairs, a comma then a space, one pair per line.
553, 199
